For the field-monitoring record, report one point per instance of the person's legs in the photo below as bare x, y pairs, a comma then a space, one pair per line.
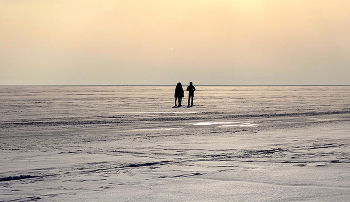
190, 100
175, 101
180, 99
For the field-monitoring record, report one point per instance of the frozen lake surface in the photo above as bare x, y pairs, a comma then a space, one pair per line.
128, 143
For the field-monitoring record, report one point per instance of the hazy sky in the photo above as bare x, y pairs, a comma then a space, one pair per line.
224, 42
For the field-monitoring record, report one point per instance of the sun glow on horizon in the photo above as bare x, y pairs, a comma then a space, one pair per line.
215, 42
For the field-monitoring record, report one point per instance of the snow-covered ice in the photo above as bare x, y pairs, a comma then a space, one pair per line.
127, 143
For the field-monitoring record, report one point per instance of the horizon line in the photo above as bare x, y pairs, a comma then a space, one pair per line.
173, 85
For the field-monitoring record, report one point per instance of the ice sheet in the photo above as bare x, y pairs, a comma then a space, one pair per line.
69, 144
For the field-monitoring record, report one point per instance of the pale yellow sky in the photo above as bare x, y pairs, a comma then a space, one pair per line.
222, 42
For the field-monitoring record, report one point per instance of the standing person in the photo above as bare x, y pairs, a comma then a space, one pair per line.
190, 90
179, 94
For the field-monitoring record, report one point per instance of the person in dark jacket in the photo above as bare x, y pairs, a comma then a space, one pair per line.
179, 94
190, 90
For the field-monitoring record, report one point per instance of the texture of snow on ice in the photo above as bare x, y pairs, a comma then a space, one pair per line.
212, 123
127, 143
227, 124
240, 125
155, 112
154, 129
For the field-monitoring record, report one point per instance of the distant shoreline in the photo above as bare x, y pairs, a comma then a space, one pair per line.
171, 85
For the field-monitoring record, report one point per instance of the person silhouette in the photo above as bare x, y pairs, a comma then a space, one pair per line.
179, 94
190, 90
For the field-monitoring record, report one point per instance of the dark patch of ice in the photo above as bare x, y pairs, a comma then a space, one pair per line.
20, 177
33, 198
188, 175
135, 165
263, 152
296, 162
